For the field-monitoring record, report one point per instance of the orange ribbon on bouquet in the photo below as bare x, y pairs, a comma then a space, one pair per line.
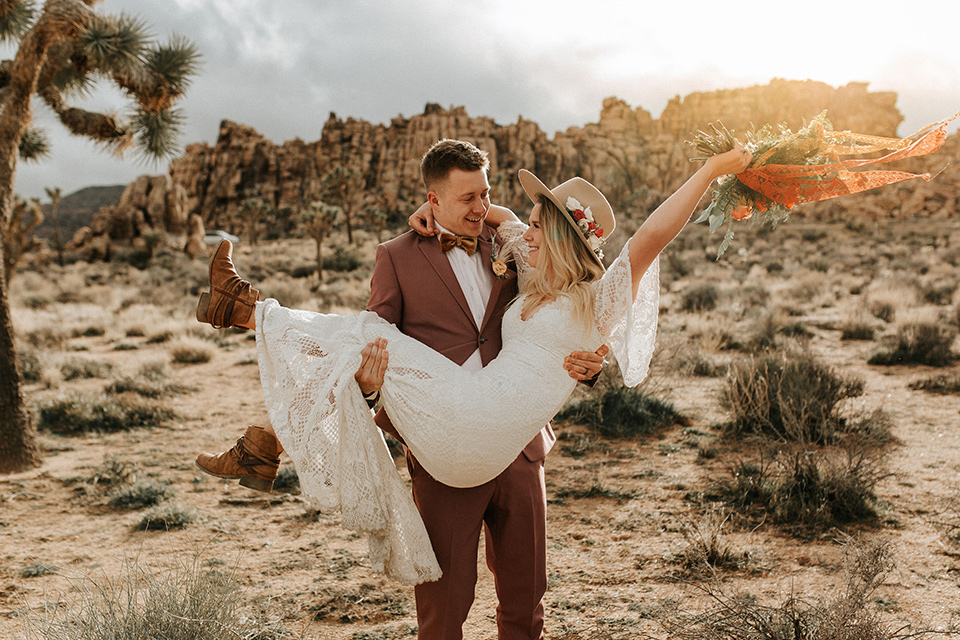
791, 184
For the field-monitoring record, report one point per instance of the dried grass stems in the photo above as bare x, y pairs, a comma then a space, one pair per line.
850, 612
188, 600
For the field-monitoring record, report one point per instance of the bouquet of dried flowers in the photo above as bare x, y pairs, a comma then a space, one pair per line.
790, 168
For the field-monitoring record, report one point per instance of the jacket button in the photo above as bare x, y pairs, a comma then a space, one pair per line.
482, 340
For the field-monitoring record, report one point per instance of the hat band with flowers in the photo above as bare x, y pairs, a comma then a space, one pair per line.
583, 206
592, 232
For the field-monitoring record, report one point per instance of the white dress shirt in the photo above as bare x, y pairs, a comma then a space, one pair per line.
475, 278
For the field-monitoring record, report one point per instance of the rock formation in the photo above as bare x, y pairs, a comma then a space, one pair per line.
637, 160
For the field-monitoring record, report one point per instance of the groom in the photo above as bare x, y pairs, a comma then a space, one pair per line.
444, 293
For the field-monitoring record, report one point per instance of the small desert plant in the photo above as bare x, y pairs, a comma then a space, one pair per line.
185, 602
149, 382
82, 368
920, 341
166, 517
707, 549
287, 479
699, 297
146, 493
848, 613
31, 367
857, 328
190, 351
789, 395
809, 487
38, 569
342, 259
83, 413
946, 385
623, 412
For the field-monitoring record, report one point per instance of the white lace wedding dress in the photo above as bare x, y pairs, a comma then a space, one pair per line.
464, 427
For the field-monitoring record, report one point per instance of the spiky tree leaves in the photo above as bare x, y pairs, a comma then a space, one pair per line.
318, 219
15, 19
65, 49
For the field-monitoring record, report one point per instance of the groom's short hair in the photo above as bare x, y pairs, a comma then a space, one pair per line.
449, 154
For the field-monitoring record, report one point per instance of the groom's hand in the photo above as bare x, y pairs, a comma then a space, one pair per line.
373, 365
585, 365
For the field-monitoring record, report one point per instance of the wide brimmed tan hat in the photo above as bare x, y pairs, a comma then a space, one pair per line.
582, 204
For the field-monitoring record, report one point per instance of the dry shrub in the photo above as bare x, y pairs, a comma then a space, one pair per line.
83, 368
187, 601
809, 488
857, 326
921, 338
84, 413
167, 517
190, 351
847, 613
944, 385
699, 297
885, 299
790, 395
707, 549
145, 493
289, 292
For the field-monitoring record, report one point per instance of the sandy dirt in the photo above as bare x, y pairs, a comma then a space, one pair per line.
612, 558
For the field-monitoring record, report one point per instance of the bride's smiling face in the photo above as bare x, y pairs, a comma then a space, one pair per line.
533, 235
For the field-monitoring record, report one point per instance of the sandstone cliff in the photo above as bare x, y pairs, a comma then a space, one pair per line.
635, 159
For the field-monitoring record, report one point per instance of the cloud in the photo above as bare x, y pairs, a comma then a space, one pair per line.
282, 67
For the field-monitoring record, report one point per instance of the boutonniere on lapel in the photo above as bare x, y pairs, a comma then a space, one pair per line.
498, 266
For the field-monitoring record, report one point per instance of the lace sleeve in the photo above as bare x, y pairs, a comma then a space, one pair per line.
512, 246
629, 326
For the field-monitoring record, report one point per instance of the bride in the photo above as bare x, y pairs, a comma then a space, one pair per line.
567, 302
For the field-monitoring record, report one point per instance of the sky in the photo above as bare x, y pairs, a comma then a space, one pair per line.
281, 66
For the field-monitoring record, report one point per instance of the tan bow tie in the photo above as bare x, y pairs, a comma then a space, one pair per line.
449, 241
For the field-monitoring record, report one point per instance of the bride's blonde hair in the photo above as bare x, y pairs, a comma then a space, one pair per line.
565, 267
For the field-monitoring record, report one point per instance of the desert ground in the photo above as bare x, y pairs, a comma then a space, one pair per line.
632, 520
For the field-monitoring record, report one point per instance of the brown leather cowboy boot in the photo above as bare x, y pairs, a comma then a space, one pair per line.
255, 460
231, 300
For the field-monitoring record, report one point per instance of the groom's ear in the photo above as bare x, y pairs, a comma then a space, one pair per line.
434, 200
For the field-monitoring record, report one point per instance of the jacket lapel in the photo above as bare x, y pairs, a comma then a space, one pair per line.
486, 246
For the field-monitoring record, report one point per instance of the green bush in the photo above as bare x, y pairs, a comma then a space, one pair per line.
166, 517
922, 342
623, 412
342, 260
945, 385
31, 368
82, 368
805, 487
84, 413
791, 396
146, 493
699, 297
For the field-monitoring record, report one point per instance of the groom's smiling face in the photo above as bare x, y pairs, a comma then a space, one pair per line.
461, 201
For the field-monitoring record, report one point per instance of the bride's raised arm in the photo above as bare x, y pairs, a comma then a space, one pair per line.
669, 218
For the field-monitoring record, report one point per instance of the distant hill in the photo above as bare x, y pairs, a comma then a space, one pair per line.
77, 209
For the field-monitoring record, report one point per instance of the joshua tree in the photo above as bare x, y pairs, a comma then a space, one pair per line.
341, 186
376, 217
19, 236
251, 212
56, 196
64, 48
318, 218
